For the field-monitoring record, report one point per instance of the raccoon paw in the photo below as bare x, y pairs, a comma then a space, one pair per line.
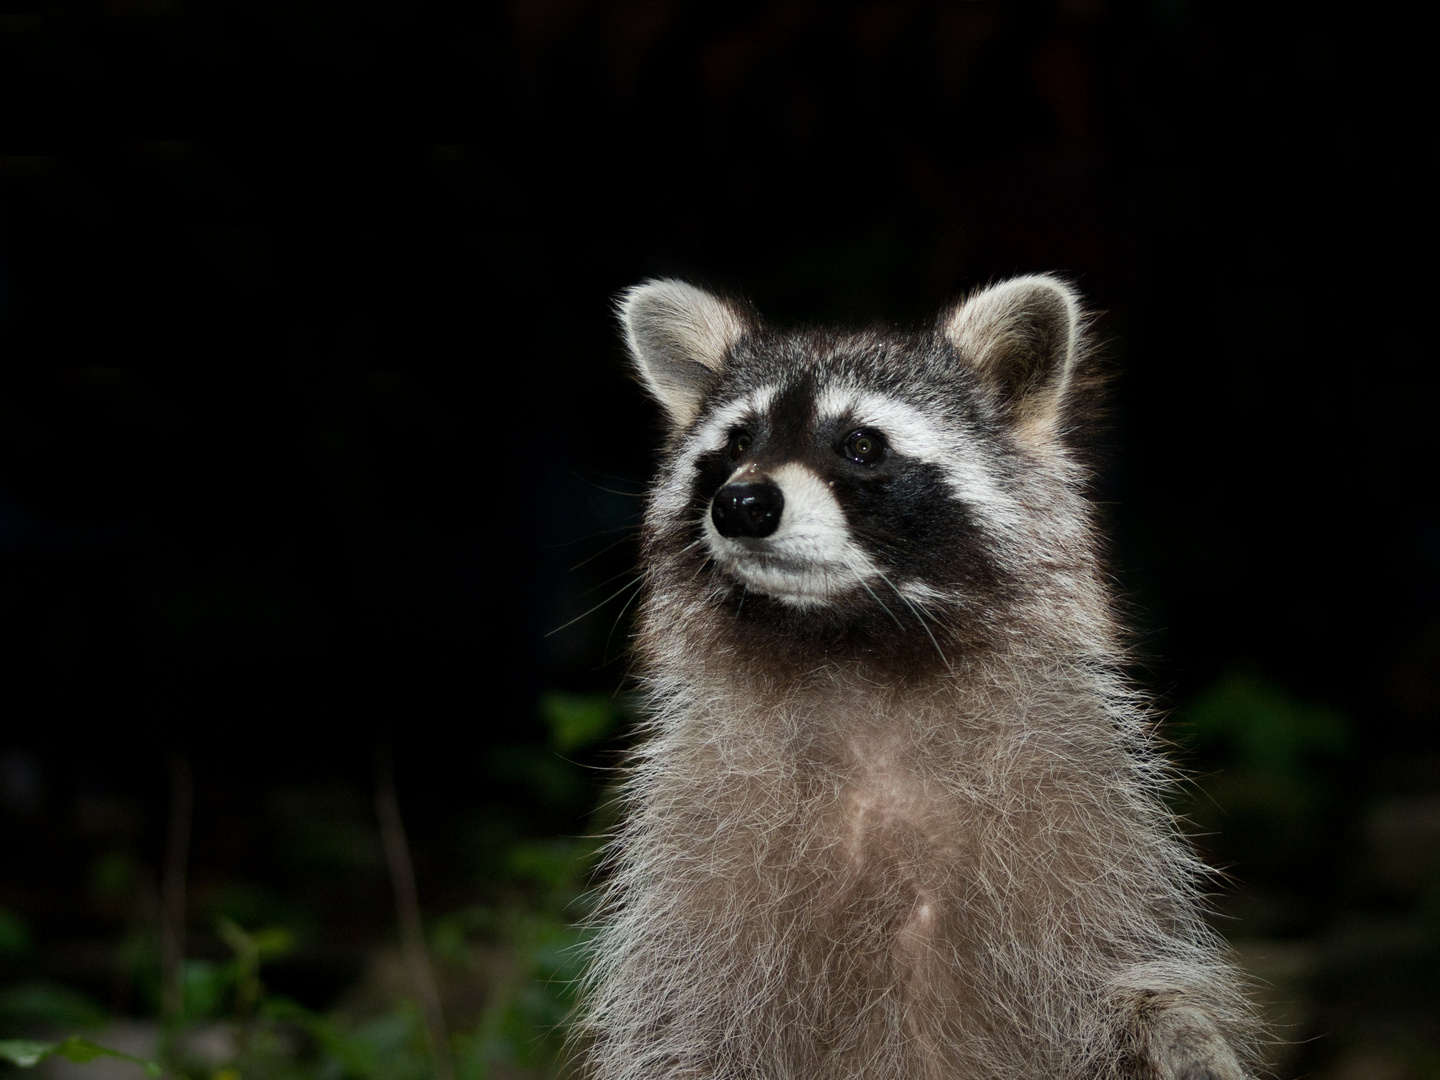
1182, 1042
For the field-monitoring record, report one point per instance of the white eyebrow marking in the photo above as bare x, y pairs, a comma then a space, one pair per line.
912, 433
713, 434
906, 429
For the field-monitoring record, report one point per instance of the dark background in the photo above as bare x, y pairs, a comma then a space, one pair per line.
243, 550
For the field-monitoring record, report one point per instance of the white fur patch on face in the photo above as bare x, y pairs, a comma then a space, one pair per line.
810, 559
712, 435
912, 434
715, 432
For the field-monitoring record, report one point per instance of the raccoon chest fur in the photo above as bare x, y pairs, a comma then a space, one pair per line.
895, 811
886, 812
855, 808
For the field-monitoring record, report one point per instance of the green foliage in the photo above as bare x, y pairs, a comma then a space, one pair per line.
529, 952
507, 967
388, 1046
574, 723
1263, 729
14, 934
27, 1053
548, 863
523, 1025
249, 905
41, 1003
524, 951
114, 875
1264, 760
579, 721
207, 985
555, 782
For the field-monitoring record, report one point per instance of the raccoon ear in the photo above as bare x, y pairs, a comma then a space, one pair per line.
679, 338
1021, 337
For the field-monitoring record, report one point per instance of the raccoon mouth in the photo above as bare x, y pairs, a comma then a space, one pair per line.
793, 580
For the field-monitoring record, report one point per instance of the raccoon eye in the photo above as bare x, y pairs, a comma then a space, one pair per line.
739, 444
865, 447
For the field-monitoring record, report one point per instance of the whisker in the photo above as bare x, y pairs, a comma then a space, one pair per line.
608, 580
614, 491
875, 596
616, 624
638, 579
919, 613
628, 529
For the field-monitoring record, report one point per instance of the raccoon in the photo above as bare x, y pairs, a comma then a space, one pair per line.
896, 811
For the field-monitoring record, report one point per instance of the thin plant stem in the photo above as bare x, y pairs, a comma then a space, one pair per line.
407, 906
172, 890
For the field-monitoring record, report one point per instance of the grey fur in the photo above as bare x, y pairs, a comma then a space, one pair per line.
679, 336
928, 848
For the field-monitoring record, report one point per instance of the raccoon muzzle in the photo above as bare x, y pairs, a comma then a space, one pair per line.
747, 508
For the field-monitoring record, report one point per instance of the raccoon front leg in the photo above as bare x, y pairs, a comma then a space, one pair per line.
1176, 1039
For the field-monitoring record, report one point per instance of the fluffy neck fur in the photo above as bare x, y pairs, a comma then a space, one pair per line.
997, 828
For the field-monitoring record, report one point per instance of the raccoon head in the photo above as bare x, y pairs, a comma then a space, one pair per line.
825, 483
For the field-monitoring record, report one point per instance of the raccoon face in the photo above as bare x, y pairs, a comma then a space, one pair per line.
811, 494
853, 476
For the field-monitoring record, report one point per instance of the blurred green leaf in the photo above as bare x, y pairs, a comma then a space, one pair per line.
14, 934
1262, 727
206, 985
448, 940
50, 1003
264, 944
250, 905
1266, 780
552, 779
114, 875
387, 1047
554, 864
580, 720
273, 942
27, 1053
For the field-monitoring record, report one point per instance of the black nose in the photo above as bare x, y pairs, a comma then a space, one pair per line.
747, 509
